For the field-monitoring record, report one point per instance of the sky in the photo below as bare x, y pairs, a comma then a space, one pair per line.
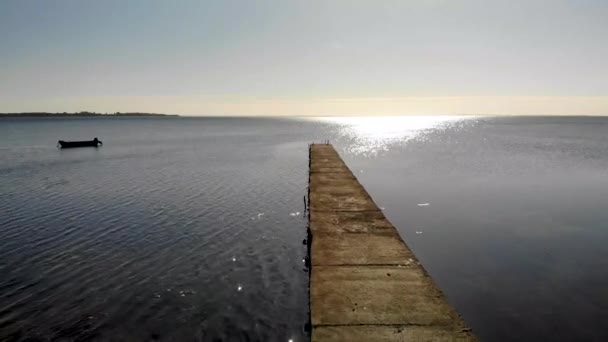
291, 57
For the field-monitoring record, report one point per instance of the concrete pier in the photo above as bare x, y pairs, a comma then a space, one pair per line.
365, 283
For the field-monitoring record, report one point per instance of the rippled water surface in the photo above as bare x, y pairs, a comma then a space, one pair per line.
182, 229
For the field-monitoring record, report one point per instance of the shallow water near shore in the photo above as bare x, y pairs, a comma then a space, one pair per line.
191, 229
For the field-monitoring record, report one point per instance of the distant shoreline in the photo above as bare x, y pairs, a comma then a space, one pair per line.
80, 115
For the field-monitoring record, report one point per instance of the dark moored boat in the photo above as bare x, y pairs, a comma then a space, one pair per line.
88, 143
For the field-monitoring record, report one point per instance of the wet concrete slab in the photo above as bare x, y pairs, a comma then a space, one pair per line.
366, 284
375, 295
349, 222
334, 178
380, 333
329, 169
340, 199
359, 249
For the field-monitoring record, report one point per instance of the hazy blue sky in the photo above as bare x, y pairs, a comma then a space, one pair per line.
305, 57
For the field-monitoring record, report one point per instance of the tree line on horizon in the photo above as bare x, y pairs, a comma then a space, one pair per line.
79, 114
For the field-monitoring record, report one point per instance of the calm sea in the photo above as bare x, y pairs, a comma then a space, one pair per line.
191, 229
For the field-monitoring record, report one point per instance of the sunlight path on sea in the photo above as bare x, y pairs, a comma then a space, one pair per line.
371, 135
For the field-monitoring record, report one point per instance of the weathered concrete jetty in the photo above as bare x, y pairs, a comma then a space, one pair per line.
365, 283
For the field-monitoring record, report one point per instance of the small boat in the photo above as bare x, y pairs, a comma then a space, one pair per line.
87, 143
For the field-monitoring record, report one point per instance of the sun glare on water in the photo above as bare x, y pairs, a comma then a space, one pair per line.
371, 135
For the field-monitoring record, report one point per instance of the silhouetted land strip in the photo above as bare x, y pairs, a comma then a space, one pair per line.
81, 114
365, 283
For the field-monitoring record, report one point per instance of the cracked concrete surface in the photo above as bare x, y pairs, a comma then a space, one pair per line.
366, 284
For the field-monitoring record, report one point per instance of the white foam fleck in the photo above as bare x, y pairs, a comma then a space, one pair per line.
418, 232
424, 204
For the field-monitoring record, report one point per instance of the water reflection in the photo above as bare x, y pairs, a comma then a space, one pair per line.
152, 236
507, 215
372, 135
